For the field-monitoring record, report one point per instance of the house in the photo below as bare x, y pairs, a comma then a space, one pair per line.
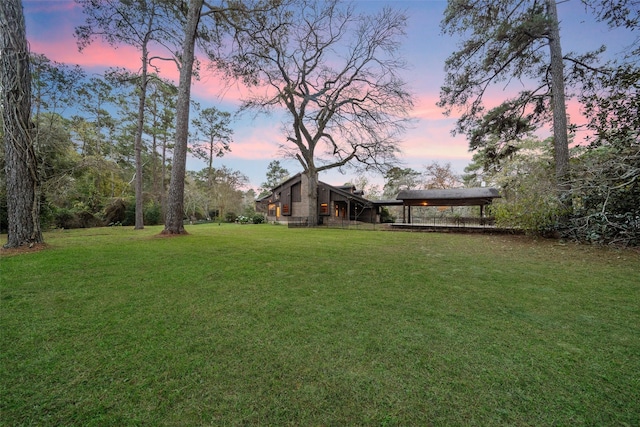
287, 203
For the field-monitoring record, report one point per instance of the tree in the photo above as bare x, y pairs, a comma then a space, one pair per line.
506, 41
175, 200
22, 180
212, 125
193, 30
527, 187
439, 176
137, 23
54, 91
228, 195
335, 74
276, 174
94, 99
362, 183
55, 88
397, 179
606, 174
161, 121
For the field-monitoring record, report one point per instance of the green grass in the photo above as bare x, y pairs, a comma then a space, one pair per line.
265, 325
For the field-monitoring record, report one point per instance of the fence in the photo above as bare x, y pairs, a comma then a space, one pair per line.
454, 221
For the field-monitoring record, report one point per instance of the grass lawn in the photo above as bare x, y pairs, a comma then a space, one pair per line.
265, 325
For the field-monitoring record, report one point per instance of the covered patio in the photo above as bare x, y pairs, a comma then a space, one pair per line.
451, 197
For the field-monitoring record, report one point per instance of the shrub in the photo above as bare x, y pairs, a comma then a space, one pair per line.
130, 213
64, 218
386, 217
77, 217
605, 191
115, 212
230, 217
258, 218
152, 214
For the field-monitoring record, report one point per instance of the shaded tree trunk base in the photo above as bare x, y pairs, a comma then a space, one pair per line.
25, 248
172, 233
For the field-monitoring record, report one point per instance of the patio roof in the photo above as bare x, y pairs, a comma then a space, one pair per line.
449, 197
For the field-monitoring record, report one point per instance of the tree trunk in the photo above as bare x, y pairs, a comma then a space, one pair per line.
560, 137
312, 196
175, 212
163, 179
23, 209
139, 219
154, 167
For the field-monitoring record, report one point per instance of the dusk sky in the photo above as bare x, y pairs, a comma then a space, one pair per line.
51, 23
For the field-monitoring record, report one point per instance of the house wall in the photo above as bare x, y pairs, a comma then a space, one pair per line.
294, 194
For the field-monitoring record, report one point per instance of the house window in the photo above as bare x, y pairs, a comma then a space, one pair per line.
272, 209
324, 209
285, 210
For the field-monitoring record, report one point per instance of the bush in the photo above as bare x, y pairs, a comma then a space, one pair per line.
258, 218
152, 214
605, 191
76, 217
115, 212
243, 219
386, 217
64, 218
130, 213
230, 217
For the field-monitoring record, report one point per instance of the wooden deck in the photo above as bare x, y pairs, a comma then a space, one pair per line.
454, 228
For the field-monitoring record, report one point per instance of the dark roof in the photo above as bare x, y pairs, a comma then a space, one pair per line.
449, 197
387, 202
347, 194
346, 191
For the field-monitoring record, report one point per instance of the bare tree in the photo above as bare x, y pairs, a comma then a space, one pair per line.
21, 167
335, 73
439, 176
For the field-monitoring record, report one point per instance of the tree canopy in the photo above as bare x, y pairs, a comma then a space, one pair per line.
336, 74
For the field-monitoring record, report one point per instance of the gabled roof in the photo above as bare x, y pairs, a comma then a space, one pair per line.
346, 191
342, 190
449, 197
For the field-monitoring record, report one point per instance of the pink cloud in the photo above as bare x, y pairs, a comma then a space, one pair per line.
425, 108
98, 54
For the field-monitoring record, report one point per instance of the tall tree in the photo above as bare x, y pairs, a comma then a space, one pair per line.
136, 23
335, 74
175, 199
212, 126
276, 174
504, 41
23, 209
94, 100
220, 16
397, 179
161, 106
